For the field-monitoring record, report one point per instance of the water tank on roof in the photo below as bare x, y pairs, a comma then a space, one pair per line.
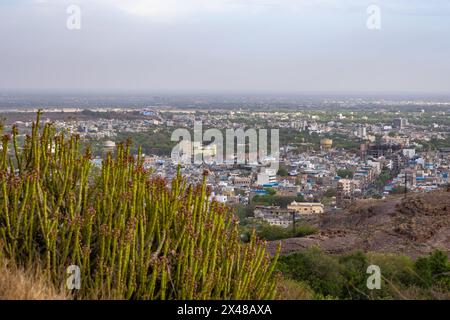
326, 143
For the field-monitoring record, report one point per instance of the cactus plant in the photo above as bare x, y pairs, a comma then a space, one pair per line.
133, 235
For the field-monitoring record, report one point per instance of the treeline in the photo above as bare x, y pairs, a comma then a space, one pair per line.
151, 143
290, 136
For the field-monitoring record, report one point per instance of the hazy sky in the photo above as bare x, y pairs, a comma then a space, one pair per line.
276, 46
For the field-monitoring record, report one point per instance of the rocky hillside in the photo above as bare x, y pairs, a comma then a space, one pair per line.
415, 225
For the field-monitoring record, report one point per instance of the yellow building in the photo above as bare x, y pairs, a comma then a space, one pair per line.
306, 207
326, 143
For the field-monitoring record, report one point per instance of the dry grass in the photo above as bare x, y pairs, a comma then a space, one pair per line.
20, 284
293, 290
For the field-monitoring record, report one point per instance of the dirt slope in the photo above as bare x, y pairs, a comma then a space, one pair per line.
414, 226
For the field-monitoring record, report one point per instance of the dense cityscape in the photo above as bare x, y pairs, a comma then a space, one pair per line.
328, 158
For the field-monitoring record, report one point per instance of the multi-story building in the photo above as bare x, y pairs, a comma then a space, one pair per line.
344, 192
267, 176
306, 208
275, 216
400, 123
242, 181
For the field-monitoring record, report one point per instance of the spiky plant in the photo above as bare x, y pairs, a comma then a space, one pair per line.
134, 236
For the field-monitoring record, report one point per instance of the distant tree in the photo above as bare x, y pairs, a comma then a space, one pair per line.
345, 173
272, 200
398, 190
283, 172
383, 178
331, 192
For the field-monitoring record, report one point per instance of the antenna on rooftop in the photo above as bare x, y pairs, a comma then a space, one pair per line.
293, 223
406, 183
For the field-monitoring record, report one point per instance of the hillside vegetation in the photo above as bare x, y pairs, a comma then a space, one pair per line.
132, 235
314, 274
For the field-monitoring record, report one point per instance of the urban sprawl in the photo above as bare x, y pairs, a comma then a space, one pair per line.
328, 159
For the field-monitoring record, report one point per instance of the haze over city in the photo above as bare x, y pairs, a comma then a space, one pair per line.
220, 46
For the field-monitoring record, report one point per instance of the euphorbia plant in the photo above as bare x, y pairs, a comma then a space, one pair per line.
133, 235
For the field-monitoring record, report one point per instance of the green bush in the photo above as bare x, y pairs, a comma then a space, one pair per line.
434, 270
271, 233
344, 276
305, 230
273, 200
320, 271
353, 268
396, 267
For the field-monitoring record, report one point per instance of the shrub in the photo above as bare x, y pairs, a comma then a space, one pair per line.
344, 276
434, 270
272, 233
289, 289
132, 235
320, 271
397, 268
305, 230
353, 268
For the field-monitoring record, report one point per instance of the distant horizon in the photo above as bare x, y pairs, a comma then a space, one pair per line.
251, 47
215, 101
103, 93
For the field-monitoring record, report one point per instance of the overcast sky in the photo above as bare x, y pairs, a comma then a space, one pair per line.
272, 46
